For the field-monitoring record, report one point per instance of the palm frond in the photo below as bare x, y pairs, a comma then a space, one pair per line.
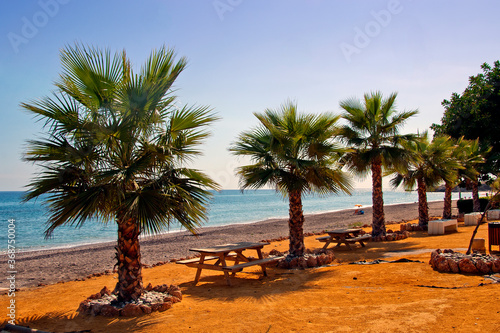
116, 144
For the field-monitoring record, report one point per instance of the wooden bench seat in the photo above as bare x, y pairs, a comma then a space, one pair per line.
324, 238
197, 259
261, 262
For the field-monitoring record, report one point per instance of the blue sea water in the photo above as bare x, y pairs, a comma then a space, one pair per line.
227, 207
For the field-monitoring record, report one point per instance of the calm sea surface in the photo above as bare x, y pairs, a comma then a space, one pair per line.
227, 207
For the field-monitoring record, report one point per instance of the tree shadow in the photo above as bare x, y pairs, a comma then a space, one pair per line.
246, 286
73, 322
375, 250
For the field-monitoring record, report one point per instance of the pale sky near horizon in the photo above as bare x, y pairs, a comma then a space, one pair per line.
249, 55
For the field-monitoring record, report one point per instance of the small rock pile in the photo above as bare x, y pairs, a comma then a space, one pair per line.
455, 262
312, 258
412, 227
159, 298
391, 236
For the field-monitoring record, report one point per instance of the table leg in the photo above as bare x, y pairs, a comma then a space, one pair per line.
259, 253
226, 274
198, 271
237, 260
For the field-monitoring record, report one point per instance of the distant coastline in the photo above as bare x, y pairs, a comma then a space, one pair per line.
481, 188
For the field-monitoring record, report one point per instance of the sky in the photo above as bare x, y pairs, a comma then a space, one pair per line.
248, 55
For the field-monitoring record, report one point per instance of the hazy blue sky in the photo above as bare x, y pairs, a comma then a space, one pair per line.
248, 55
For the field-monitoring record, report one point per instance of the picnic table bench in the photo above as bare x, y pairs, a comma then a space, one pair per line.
344, 236
222, 254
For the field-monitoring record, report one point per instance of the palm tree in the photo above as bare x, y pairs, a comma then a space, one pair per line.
373, 133
116, 149
473, 155
431, 164
296, 154
467, 153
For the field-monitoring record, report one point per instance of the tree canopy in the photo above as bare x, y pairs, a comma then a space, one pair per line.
474, 114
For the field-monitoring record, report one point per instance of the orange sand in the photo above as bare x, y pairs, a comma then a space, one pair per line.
389, 297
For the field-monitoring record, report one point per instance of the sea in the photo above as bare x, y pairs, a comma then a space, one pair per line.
26, 222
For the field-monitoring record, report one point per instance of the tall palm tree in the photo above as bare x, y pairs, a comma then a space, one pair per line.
432, 163
372, 131
468, 155
116, 149
457, 154
296, 154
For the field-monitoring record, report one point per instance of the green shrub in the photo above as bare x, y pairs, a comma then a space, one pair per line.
465, 206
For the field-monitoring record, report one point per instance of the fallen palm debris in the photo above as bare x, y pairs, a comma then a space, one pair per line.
381, 261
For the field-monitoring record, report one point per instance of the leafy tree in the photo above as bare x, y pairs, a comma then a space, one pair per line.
432, 163
116, 149
373, 134
295, 154
474, 114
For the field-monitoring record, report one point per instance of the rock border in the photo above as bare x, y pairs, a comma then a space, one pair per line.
391, 236
311, 258
159, 298
448, 261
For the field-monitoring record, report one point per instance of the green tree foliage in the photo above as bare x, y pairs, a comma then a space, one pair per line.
116, 148
474, 114
296, 154
468, 154
431, 163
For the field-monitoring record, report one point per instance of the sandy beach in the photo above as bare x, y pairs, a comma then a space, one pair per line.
52, 266
342, 297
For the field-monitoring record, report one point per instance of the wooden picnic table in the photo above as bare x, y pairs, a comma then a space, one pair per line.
344, 236
217, 258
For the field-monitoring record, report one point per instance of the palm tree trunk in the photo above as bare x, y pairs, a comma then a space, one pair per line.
296, 223
129, 286
378, 218
423, 208
447, 201
475, 196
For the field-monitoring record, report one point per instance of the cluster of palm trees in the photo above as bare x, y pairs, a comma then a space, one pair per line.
117, 148
300, 154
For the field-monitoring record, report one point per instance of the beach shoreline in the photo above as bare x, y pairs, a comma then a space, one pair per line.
50, 266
